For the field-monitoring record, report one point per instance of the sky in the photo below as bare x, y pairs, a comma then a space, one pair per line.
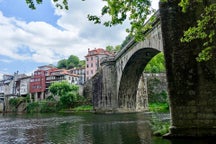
32, 38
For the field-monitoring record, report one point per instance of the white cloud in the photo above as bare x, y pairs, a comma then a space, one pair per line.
5, 60
41, 42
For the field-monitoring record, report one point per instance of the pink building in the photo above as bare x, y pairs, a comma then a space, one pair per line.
93, 61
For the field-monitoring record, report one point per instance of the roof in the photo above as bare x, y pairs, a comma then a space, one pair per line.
45, 67
98, 51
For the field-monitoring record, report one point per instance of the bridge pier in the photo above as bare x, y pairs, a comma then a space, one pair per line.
104, 88
191, 84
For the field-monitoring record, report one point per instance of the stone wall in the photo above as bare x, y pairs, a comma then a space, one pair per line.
101, 89
156, 87
191, 84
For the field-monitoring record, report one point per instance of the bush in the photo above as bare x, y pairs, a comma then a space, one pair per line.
68, 100
48, 106
32, 107
43, 107
14, 102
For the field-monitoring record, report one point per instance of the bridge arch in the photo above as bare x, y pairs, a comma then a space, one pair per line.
130, 78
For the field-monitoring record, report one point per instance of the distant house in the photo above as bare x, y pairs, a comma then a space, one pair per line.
38, 82
61, 75
44, 76
93, 59
10, 85
24, 86
80, 72
7, 85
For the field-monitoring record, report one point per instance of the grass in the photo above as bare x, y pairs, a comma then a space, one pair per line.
159, 107
83, 108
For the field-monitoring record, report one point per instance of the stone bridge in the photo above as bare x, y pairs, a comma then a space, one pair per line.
122, 74
118, 87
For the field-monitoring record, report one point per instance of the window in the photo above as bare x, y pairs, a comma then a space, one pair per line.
91, 71
87, 66
86, 59
92, 58
91, 64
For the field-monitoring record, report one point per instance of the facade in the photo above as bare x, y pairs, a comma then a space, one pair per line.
44, 76
24, 86
80, 72
10, 85
6, 84
38, 82
93, 59
61, 75
37, 85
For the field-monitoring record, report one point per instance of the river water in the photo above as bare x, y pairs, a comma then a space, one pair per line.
83, 128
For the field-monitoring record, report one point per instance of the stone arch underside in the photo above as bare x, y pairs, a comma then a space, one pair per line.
130, 78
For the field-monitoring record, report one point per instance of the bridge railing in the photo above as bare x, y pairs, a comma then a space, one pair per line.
106, 59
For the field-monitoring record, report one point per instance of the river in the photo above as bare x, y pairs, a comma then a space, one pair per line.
81, 128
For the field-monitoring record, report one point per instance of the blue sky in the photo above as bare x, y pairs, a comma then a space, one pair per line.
31, 38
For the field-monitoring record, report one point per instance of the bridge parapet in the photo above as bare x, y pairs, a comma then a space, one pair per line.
106, 60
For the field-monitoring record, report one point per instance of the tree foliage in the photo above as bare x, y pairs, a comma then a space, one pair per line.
113, 49
204, 31
62, 64
137, 12
156, 65
127, 39
62, 88
62, 4
71, 62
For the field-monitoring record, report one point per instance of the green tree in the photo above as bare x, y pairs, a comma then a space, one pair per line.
68, 99
72, 61
113, 49
62, 64
156, 65
60, 88
109, 48
82, 63
127, 39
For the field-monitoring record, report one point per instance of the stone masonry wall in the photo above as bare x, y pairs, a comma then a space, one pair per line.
191, 85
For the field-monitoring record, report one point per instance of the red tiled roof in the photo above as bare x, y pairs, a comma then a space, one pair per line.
98, 51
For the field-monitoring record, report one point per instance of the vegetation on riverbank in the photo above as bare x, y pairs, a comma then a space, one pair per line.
159, 125
63, 97
159, 107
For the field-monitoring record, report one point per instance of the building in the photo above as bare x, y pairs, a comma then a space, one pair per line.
38, 82
24, 86
10, 85
44, 76
93, 59
6, 84
61, 75
81, 74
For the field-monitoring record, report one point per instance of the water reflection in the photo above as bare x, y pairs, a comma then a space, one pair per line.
80, 129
